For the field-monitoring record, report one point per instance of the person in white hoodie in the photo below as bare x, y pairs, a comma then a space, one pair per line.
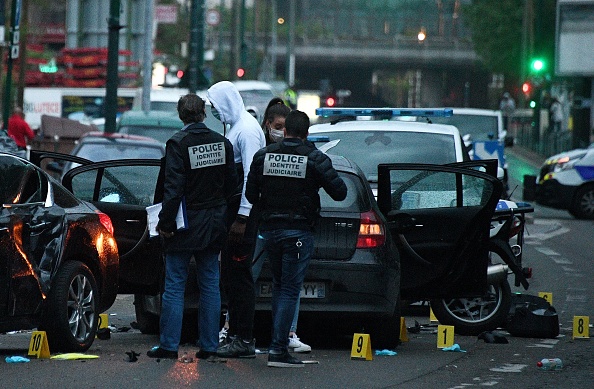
246, 136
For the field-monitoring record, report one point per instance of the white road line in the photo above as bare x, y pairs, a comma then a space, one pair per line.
509, 368
547, 251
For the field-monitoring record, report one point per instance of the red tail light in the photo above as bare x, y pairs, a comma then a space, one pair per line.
371, 231
106, 221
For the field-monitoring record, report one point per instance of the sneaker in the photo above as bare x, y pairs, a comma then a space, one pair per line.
283, 360
237, 348
223, 334
210, 356
298, 346
158, 352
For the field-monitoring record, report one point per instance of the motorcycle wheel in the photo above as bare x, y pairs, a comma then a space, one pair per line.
471, 316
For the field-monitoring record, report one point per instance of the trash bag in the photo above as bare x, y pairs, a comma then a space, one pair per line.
532, 317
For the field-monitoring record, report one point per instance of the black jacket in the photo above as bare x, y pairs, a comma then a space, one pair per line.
199, 167
285, 179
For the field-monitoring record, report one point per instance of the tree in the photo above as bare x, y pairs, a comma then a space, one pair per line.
496, 29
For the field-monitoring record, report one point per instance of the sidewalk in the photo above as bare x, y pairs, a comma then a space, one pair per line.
526, 155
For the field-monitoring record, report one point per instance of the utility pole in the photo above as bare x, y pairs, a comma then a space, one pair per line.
111, 86
242, 44
196, 45
147, 58
291, 46
13, 54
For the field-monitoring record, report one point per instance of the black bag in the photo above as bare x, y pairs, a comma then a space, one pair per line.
532, 317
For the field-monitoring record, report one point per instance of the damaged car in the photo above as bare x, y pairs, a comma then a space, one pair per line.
58, 258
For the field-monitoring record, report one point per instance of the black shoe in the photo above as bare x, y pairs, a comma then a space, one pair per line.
158, 352
210, 356
237, 348
283, 360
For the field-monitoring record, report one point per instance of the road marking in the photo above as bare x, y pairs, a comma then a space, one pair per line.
547, 251
576, 298
545, 343
568, 269
562, 261
509, 368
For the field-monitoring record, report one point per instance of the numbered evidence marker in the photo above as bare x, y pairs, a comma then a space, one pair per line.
361, 348
432, 318
547, 296
445, 336
103, 321
38, 346
581, 327
403, 332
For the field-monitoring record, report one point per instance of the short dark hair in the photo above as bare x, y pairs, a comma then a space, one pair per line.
191, 108
297, 124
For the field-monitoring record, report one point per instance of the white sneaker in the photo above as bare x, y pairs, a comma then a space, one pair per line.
223, 334
298, 346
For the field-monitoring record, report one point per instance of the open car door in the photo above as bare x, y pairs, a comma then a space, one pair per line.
123, 189
439, 217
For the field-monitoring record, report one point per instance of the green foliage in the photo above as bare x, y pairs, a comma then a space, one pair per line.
496, 28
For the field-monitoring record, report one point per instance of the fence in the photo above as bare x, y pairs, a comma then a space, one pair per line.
522, 128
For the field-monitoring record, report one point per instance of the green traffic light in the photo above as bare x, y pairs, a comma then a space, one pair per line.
538, 65
532, 104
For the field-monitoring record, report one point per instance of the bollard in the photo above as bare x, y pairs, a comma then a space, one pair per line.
529, 193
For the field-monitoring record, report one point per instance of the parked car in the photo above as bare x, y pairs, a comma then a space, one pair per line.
256, 95
566, 181
99, 146
58, 258
160, 125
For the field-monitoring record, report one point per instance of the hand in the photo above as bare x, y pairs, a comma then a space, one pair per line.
236, 232
165, 234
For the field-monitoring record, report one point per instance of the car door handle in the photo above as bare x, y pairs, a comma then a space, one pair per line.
132, 221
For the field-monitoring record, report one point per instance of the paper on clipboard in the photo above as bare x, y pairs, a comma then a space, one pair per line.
152, 213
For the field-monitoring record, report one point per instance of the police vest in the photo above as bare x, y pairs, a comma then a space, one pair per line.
289, 188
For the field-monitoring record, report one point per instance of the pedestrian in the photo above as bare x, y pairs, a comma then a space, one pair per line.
507, 105
19, 130
246, 136
200, 172
556, 115
284, 180
273, 122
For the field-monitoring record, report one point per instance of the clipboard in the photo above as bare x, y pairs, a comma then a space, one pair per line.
152, 213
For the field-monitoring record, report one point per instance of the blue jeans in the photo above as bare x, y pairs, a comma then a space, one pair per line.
289, 252
172, 305
257, 269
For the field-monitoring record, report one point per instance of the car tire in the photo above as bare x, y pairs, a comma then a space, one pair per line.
385, 331
147, 322
71, 318
582, 206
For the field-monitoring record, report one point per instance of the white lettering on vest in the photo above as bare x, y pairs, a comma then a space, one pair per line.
285, 165
207, 155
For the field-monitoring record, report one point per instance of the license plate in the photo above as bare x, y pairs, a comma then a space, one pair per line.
309, 290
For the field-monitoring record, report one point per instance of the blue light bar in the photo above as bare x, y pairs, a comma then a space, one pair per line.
393, 112
318, 138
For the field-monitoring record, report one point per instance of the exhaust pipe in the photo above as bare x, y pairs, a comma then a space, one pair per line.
496, 273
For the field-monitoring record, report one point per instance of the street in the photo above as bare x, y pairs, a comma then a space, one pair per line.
558, 248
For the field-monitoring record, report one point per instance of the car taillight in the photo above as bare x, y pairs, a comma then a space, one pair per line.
106, 221
371, 231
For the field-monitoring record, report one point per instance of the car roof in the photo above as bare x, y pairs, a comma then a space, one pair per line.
243, 85
383, 125
476, 111
102, 137
158, 118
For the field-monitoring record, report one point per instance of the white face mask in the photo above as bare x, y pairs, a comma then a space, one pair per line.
276, 135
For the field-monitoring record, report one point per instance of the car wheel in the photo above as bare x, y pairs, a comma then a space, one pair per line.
471, 316
385, 331
583, 203
148, 323
70, 318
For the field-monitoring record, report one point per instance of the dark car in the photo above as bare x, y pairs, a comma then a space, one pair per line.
427, 238
58, 258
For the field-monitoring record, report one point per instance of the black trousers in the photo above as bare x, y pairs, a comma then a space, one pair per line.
236, 277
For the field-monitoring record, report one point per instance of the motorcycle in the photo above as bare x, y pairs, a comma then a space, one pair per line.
471, 316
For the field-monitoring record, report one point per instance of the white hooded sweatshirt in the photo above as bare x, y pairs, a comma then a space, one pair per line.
245, 133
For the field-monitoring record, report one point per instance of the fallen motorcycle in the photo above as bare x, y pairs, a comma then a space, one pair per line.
471, 316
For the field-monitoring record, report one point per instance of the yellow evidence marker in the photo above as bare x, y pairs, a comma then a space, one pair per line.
403, 332
103, 321
581, 327
432, 318
38, 345
547, 296
361, 348
445, 336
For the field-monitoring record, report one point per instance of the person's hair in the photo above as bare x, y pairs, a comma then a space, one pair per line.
191, 108
276, 107
297, 124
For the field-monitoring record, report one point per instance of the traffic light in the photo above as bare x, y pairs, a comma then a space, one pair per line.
240, 72
537, 65
330, 101
527, 89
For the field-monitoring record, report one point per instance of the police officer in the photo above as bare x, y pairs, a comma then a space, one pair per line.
200, 172
285, 179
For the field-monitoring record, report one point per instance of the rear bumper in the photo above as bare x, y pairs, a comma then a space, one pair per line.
349, 288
